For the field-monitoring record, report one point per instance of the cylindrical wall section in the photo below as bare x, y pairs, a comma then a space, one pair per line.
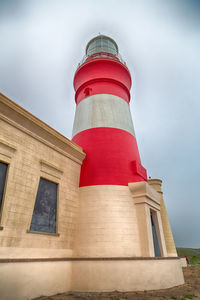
103, 111
102, 76
106, 224
112, 157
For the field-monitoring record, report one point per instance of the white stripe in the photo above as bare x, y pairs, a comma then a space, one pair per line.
103, 110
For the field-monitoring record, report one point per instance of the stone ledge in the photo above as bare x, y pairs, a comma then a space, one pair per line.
142, 193
42, 232
50, 169
19, 260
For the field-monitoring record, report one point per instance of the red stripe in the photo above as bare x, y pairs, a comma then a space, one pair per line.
112, 157
102, 76
102, 86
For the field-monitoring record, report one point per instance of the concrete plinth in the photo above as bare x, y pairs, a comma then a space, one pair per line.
23, 280
126, 274
28, 279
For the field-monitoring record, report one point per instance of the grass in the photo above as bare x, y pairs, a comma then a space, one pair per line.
193, 254
189, 296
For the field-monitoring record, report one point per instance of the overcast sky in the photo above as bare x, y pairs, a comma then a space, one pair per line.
42, 42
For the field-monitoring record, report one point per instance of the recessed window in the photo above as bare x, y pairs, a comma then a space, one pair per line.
155, 236
3, 172
45, 209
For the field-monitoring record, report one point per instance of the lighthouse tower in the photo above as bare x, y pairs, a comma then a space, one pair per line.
123, 239
103, 125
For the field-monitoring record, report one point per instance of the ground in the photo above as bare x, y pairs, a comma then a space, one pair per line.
190, 290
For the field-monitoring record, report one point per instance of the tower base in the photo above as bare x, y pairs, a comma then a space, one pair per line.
115, 247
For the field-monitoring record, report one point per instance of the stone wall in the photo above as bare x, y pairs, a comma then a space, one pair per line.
32, 150
107, 223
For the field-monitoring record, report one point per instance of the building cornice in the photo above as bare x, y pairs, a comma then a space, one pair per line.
18, 117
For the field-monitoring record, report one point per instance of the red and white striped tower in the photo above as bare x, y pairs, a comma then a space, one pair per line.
119, 221
103, 125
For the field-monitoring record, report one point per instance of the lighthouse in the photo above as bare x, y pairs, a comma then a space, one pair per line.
122, 240
82, 211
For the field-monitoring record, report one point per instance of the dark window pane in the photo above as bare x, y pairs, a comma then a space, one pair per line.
155, 238
44, 214
3, 171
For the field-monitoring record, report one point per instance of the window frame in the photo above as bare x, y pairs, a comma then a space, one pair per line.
6, 162
7, 152
157, 230
48, 178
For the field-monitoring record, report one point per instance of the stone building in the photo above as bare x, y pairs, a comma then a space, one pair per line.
81, 215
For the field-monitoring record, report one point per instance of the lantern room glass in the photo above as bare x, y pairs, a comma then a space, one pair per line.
102, 44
